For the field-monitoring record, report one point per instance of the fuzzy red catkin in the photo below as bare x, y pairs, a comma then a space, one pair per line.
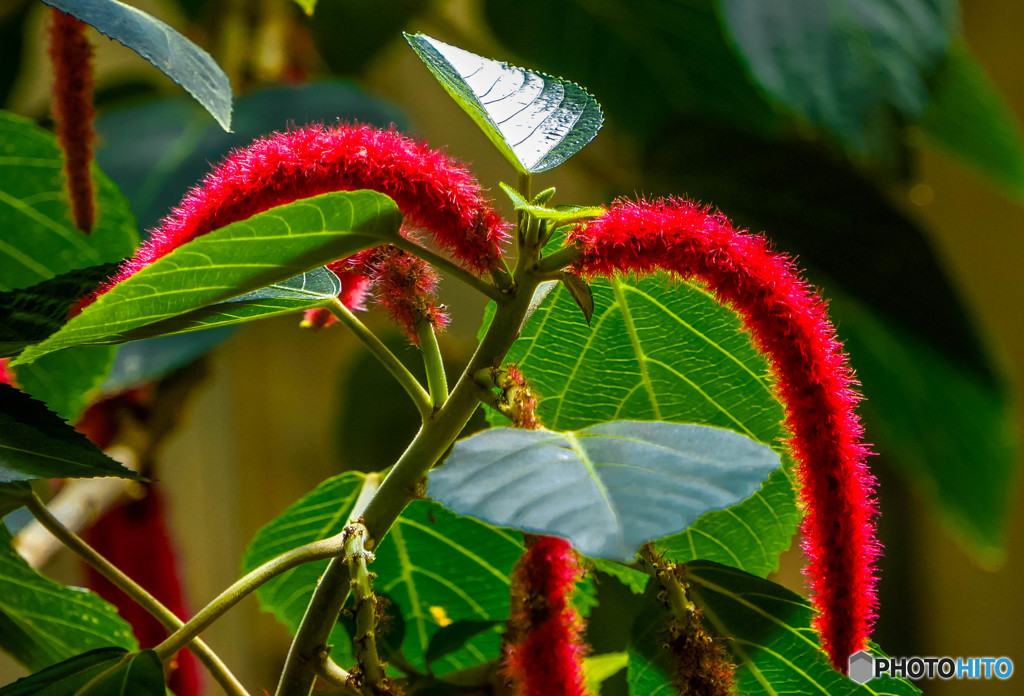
544, 649
433, 191
73, 114
813, 378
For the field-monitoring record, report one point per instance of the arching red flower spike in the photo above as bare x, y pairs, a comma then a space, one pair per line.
543, 648
813, 378
432, 190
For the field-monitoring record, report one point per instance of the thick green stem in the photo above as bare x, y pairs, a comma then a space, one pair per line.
399, 371
328, 670
450, 267
437, 381
558, 260
218, 670
365, 641
403, 482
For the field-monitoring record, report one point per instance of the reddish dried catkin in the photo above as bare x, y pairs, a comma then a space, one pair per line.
71, 55
790, 326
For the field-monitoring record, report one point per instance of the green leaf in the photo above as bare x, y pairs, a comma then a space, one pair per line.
248, 255
35, 444
305, 291
663, 349
43, 622
67, 676
29, 315
307, 6
141, 674
768, 630
535, 120
971, 120
433, 565
939, 422
453, 636
170, 52
651, 61
635, 580
38, 240
13, 495
609, 488
67, 381
858, 69
598, 668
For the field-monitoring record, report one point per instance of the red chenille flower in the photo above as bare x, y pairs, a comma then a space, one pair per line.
435, 193
812, 375
543, 647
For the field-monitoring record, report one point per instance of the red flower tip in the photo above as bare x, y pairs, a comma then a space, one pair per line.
813, 379
434, 192
73, 114
6, 373
543, 648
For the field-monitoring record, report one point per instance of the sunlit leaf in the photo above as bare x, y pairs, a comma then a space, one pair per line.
267, 248
535, 120
163, 46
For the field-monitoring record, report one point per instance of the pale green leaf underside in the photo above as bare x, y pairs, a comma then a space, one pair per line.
665, 349
431, 564
38, 239
242, 257
535, 120
43, 622
608, 488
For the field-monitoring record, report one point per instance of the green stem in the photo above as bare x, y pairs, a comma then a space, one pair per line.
328, 670
218, 670
437, 381
365, 640
402, 483
399, 371
450, 267
558, 260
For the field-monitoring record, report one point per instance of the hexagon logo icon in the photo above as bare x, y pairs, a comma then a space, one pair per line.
862, 667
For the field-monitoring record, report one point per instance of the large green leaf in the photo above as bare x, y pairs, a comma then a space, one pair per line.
535, 120
43, 622
140, 674
768, 631
37, 237
609, 488
970, 119
170, 52
665, 350
242, 257
433, 565
856, 68
35, 443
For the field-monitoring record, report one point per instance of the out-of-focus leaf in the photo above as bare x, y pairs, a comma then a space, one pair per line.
970, 119
664, 349
608, 488
67, 381
38, 240
242, 257
535, 120
138, 362
453, 636
43, 622
858, 69
379, 25
599, 668
13, 495
35, 444
162, 45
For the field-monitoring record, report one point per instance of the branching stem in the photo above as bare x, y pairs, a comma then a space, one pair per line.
452, 268
399, 371
218, 670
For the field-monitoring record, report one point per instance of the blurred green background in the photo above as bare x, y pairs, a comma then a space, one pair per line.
900, 185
